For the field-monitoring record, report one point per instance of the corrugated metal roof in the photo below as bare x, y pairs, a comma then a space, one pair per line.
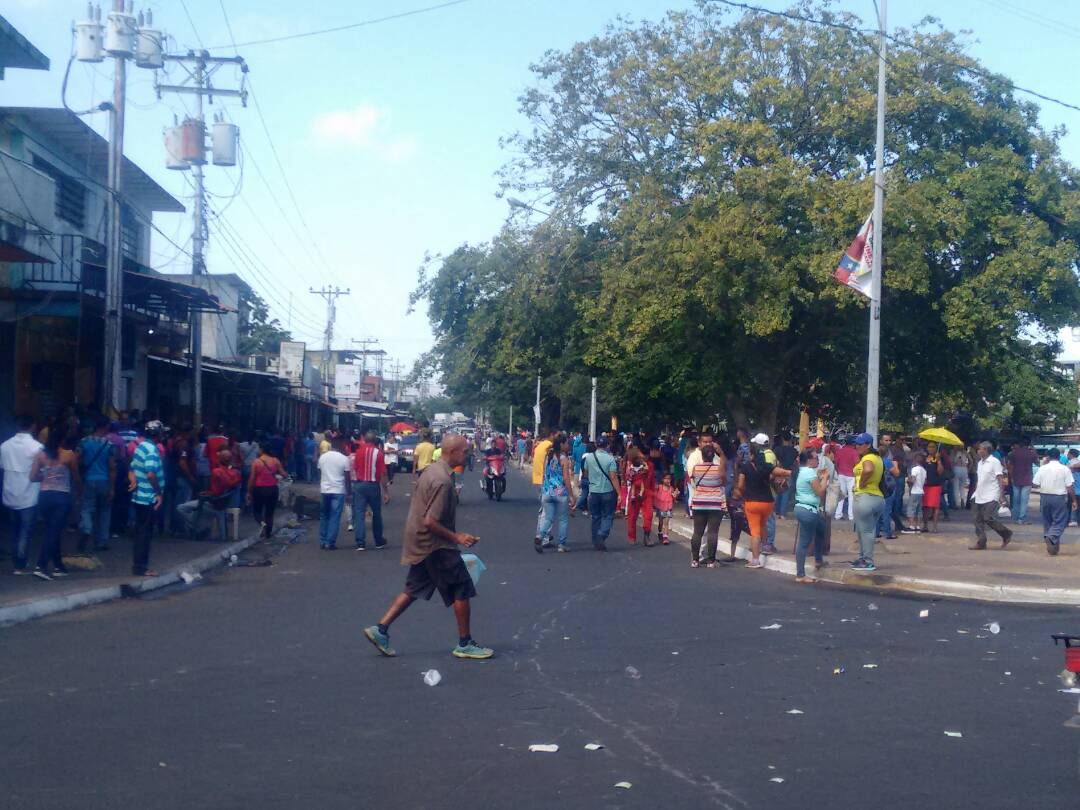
16, 51
74, 139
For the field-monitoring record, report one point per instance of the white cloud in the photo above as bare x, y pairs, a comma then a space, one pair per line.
365, 128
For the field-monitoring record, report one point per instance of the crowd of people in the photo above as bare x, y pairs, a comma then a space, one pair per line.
136, 476
884, 487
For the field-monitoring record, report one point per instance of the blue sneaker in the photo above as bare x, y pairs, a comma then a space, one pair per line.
865, 566
472, 650
380, 640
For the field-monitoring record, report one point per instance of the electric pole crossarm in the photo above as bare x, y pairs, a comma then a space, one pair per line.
183, 88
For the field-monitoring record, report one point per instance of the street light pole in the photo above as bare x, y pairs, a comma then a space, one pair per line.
873, 365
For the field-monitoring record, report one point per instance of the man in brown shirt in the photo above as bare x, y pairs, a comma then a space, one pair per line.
431, 552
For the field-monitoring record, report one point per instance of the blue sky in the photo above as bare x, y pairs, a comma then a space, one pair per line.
389, 133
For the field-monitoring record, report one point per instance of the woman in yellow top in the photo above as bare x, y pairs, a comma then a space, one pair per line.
869, 500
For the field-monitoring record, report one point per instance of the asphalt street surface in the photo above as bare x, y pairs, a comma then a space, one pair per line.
256, 689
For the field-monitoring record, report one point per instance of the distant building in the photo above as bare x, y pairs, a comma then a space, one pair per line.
17, 52
221, 330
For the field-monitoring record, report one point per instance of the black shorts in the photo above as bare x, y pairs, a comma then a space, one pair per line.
444, 570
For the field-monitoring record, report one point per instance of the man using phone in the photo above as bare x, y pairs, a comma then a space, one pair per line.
432, 552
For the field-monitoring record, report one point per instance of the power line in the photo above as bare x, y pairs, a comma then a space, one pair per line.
350, 26
191, 22
288, 185
986, 74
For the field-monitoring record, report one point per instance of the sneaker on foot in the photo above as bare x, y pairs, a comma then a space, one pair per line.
472, 650
361, 548
1005, 540
562, 549
40, 574
59, 572
349, 528
755, 564
538, 546
695, 564
1051, 547
20, 572
865, 566
380, 640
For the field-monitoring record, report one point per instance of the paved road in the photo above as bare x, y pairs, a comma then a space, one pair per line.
257, 690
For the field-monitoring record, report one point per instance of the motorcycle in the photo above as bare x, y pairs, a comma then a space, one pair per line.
493, 480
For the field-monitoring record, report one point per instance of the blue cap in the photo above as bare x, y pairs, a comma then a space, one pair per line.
862, 438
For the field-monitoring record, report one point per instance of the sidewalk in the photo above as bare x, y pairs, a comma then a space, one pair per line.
935, 564
27, 597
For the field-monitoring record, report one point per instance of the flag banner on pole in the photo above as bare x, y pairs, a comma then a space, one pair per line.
857, 262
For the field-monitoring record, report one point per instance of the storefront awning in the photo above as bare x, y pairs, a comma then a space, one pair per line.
153, 293
14, 253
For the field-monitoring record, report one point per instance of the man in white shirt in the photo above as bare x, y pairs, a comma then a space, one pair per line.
1054, 483
17, 456
916, 489
334, 487
990, 479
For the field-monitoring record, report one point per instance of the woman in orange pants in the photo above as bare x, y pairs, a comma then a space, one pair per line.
754, 488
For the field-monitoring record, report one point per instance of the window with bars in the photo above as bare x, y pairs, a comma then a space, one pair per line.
70, 194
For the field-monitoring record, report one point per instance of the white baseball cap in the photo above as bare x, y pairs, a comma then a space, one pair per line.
761, 438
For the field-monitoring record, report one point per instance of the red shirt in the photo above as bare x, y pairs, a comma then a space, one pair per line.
222, 479
369, 465
214, 445
846, 459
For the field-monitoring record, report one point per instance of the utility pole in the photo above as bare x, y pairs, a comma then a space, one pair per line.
364, 352
592, 412
510, 430
331, 294
114, 270
395, 369
200, 67
873, 365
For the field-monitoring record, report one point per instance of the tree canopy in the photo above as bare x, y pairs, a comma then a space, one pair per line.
706, 171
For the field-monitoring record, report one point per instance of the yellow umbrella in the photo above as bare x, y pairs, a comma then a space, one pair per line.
941, 436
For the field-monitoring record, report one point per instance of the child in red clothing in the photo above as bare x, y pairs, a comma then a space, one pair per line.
663, 504
640, 485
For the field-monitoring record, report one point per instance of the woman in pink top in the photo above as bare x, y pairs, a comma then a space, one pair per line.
663, 505
266, 471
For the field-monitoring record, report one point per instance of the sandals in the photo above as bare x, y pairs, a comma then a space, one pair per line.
755, 564
805, 580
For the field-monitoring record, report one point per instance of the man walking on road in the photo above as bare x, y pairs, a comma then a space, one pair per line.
539, 455
990, 479
431, 550
370, 488
600, 468
333, 489
1055, 485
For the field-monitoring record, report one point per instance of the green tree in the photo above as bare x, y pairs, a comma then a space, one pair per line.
258, 332
706, 172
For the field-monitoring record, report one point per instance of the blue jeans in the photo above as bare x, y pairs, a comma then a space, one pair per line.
770, 528
181, 494
1055, 515
22, 525
782, 498
55, 508
330, 509
885, 523
365, 494
602, 514
811, 530
96, 512
583, 496
1020, 496
867, 511
556, 507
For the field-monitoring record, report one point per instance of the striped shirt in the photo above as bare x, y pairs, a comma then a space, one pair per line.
146, 460
369, 466
709, 492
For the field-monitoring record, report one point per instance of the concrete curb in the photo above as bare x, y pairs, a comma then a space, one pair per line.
46, 606
927, 587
